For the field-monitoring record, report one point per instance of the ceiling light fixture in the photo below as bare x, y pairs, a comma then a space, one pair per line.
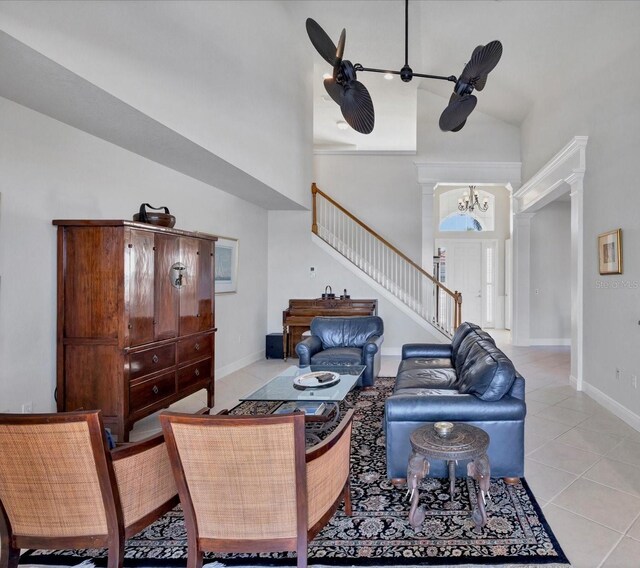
470, 200
388, 76
355, 101
342, 125
327, 76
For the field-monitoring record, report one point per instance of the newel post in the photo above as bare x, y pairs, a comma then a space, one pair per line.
314, 219
458, 312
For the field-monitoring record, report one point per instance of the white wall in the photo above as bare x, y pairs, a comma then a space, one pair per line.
604, 110
292, 253
51, 171
218, 73
483, 138
550, 288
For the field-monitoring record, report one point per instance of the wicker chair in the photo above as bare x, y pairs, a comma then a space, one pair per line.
247, 484
61, 488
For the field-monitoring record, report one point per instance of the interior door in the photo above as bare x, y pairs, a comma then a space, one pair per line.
464, 266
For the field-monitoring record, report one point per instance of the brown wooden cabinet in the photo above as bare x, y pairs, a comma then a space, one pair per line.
136, 318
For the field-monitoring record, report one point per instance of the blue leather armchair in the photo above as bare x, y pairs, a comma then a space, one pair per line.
344, 341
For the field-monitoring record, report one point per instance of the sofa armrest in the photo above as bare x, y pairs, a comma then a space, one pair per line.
372, 346
454, 408
427, 350
307, 348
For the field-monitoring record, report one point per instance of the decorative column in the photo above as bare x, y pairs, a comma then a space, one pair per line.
428, 225
577, 275
521, 258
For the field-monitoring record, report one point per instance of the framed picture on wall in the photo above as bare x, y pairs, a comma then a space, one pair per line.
226, 275
610, 252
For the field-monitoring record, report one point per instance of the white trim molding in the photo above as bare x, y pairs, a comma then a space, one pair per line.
470, 172
564, 173
550, 182
610, 404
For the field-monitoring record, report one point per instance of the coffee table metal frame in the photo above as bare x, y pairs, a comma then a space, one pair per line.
465, 442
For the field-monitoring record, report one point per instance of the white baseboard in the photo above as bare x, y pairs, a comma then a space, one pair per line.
613, 406
547, 341
236, 365
573, 381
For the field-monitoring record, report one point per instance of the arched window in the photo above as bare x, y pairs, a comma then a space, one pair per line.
460, 222
454, 220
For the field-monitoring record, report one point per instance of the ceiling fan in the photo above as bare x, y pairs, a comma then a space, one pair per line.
354, 99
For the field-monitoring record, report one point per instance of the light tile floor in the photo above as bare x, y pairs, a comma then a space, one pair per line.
582, 462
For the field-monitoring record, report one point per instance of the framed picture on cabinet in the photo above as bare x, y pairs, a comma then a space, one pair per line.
610, 252
226, 265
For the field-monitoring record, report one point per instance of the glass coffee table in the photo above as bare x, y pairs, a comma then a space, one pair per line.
282, 388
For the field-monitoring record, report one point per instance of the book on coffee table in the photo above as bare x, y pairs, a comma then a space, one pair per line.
310, 408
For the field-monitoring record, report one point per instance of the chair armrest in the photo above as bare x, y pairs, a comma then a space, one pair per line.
145, 482
427, 350
307, 348
372, 346
328, 466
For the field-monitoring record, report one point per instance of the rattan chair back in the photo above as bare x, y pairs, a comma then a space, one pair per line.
61, 488
245, 482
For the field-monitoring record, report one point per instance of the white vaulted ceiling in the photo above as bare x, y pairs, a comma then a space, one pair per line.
548, 47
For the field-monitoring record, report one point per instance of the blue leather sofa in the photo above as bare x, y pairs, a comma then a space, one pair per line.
344, 341
469, 380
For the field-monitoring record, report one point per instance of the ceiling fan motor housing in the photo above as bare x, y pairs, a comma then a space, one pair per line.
406, 73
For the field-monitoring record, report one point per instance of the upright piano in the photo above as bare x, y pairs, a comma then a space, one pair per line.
296, 319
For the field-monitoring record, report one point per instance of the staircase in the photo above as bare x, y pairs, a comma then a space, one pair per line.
411, 288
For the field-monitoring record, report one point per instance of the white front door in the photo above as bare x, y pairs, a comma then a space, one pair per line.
464, 267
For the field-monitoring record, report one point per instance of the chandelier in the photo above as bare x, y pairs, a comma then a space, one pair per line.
470, 201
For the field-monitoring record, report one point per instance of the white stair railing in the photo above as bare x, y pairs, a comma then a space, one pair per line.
385, 264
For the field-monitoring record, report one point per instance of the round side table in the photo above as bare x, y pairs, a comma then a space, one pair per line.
464, 442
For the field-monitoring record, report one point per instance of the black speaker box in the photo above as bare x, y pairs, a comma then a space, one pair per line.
273, 346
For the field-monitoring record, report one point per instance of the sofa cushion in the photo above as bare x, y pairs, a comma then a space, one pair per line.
421, 363
470, 339
425, 379
487, 372
338, 356
346, 331
458, 337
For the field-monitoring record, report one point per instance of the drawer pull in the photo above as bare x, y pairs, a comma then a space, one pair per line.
197, 347
197, 372
155, 358
155, 389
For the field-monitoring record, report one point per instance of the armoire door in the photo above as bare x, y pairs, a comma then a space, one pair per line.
140, 277
167, 294
196, 293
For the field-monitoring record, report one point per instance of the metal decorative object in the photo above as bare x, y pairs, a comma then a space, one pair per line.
471, 200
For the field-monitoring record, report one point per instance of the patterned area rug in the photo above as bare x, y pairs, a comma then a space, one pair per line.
378, 533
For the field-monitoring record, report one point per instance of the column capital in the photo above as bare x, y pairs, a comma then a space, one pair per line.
428, 188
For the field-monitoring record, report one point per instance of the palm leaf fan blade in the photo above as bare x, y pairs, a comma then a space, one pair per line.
321, 41
457, 112
357, 107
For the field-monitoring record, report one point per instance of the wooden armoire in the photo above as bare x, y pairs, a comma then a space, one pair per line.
136, 318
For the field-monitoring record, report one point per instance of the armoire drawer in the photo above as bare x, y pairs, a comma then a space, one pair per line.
194, 348
192, 374
151, 391
151, 361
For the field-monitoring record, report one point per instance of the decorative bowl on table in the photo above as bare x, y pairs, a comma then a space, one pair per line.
443, 429
316, 380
